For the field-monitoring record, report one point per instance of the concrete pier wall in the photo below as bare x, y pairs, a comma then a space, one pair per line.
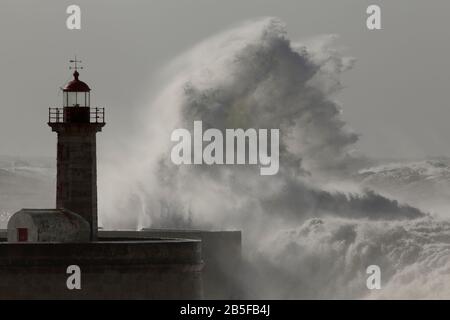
220, 253
125, 269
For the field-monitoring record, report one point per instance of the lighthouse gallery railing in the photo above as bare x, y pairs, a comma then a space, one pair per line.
56, 115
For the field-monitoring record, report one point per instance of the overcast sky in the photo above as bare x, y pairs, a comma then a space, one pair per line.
396, 97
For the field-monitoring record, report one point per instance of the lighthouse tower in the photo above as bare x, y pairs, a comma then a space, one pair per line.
77, 124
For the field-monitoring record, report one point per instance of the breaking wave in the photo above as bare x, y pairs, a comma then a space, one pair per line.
311, 230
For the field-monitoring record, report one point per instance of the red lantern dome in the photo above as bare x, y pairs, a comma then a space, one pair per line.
76, 93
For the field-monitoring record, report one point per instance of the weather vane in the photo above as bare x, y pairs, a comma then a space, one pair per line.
75, 61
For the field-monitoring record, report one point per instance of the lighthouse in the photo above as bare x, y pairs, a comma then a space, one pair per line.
76, 125
41, 244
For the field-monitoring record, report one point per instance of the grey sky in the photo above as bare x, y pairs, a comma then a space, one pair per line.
395, 97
